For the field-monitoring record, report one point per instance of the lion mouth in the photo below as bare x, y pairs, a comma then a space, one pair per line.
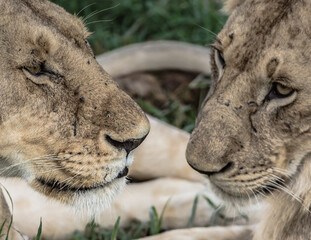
62, 186
265, 190
123, 173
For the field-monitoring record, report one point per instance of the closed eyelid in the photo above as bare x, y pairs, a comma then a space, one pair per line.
219, 62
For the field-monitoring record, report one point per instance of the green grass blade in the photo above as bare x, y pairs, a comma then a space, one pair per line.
115, 229
215, 216
138, 231
9, 228
39, 230
11, 200
193, 211
210, 202
200, 82
151, 109
1, 228
161, 215
154, 219
244, 216
11, 220
93, 231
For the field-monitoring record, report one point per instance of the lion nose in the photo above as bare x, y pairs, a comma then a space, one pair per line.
223, 169
128, 145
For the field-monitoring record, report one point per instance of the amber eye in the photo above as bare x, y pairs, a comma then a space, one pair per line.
283, 90
280, 91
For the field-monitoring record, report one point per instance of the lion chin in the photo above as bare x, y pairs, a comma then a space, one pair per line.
87, 202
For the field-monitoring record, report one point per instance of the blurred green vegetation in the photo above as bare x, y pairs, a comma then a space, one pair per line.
120, 22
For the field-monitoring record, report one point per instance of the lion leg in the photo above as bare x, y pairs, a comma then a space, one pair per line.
209, 233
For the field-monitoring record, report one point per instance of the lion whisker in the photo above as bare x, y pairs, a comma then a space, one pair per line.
277, 177
289, 192
80, 185
48, 159
259, 191
249, 198
209, 31
20, 163
85, 8
52, 170
98, 21
70, 179
285, 188
282, 171
255, 196
99, 11
261, 186
66, 181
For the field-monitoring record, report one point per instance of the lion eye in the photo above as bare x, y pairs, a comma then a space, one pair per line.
283, 90
39, 70
280, 91
220, 61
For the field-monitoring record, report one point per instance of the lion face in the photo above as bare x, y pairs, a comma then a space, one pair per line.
253, 133
65, 126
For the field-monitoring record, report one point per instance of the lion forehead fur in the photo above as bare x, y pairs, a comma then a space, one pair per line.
252, 141
58, 106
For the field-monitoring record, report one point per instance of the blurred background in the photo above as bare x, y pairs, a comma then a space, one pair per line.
121, 22
170, 95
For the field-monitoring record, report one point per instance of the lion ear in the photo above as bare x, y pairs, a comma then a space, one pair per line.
230, 5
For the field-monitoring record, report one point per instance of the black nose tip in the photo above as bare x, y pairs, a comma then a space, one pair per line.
128, 145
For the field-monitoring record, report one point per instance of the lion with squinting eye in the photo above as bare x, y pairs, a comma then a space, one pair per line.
253, 134
65, 126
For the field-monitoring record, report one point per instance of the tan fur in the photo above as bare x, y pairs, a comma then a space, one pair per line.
210, 233
54, 126
231, 5
250, 145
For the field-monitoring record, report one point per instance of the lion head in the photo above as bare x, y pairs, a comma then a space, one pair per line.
65, 126
253, 133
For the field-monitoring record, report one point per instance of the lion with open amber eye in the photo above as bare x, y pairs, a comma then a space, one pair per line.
253, 134
65, 126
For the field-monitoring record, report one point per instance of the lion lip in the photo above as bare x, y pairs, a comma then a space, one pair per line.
59, 186
54, 184
123, 173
